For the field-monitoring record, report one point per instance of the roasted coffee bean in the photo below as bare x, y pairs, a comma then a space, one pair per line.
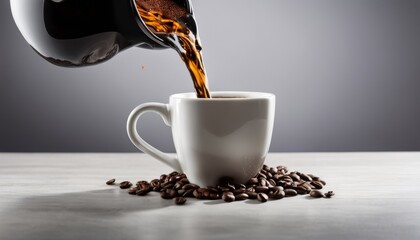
261, 175
180, 200
173, 179
206, 194
110, 181
241, 197
262, 197
253, 181
132, 190
282, 169
317, 185
154, 183
214, 196
302, 190
272, 182
173, 193
323, 182
188, 193
294, 176
190, 186
125, 184
231, 187
279, 194
174, 173
263, 182
178, 185
305, 177
251, 189
163, 178
184, 180
275, 188
197, 194
316, 194
266, 168
272, 171
168, 185
157, 189
329, 194
276, 177
212, 189
228, 197
165, 195
261, 189
251, 195
239, 191
142, 192
290, 192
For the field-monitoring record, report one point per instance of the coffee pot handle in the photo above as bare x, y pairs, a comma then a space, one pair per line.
164, 111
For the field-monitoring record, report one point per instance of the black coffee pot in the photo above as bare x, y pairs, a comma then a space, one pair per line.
73, 33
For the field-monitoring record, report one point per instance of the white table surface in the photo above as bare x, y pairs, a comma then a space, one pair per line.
64, 196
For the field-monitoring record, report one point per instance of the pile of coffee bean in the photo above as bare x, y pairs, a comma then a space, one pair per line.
269, 183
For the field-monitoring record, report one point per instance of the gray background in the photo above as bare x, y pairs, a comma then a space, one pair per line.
346, 75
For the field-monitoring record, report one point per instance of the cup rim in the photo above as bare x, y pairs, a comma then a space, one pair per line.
225, 96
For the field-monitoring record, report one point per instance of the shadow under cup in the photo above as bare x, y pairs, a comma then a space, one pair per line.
227, 135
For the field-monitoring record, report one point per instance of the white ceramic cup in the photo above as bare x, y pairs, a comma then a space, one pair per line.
227, 135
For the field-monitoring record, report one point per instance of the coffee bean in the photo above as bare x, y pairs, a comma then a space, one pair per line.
125, 184
252, 195
317, 185
180, 200
132, 190
302, 190
272, 171
163, 178
178, 185
239, 191
110, 181
323, 182
212, 189
184, 180
290, 193
305, 177
263, 182
214, 196
261, 175
329, 194
188, 193
266, 168
154, 183
142, 192
262, 197
167, 185
316, 194
279, 194
165, 195
241, 197
294, 176
261, 189
228, 197
272, 182
275, 188
253, 181
190, 186
197, 194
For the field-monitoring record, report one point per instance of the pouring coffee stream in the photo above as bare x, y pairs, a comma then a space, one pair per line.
78, 33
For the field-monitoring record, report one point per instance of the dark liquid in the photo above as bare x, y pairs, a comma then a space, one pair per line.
172, 24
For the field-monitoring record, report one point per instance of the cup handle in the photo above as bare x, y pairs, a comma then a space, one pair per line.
164, 111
